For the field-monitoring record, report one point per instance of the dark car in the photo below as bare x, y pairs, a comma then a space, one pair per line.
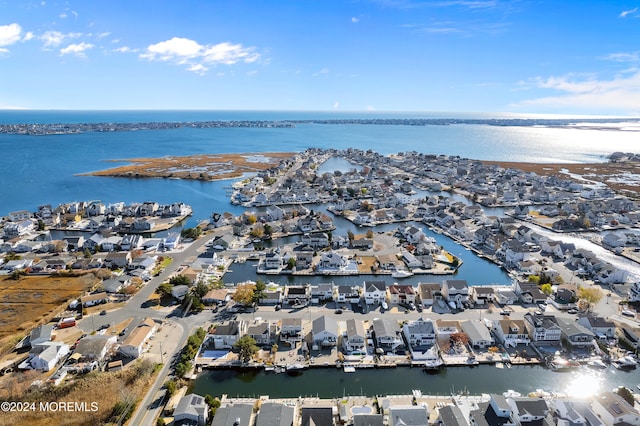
338, 311
103, 312
104, 327
278, 307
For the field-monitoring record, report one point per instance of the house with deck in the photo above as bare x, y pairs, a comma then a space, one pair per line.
375, 292
325, 331
355, 339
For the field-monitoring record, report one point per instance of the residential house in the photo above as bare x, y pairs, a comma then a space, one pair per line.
179, 291
45, 356
40, 334
510, 332
191, 409
451, 415
528, 410
348, 294
291, 330
575, 413
387, 335
322, 292
375, 292
478, 333
94, 348
614, 410
331, 261
543, 328
120, 260
529, 293
429, 293
325, 331
172, 241
456, 291
227, 334
419, 333
481, 295
316, 416
135, 343
445, 328
408, 415
297, 295
216, 296
504, 296
131, 242
94, 299
316, 240
272, 260
304, 259
601, 327
275, 414
355, 339
575, 334
398, 293
263, 332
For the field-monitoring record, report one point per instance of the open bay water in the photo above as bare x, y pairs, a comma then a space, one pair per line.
45, 169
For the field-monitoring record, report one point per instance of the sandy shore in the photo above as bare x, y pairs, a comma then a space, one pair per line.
197, 167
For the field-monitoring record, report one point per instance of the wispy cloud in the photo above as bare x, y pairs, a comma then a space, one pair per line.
467, 4
588, 92
184, 51
626, 13
336, 105
462, 28
65, 15
10, 34
355, 20
321, 72
56, 38
76, 49
624, 56
125, 49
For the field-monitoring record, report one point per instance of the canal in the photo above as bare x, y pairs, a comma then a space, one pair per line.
333, 382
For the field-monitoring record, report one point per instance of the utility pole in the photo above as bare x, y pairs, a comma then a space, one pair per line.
161, 354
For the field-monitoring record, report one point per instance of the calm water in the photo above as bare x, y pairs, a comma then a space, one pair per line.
43, 169
333, 382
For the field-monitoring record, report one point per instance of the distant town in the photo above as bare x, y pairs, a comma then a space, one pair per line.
118, 289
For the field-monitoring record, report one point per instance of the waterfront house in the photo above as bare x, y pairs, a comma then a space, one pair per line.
389, 262
348, 294
398, 293
481, 295
135, 343
575, 413
291, 330
20, 228
119, 260
227, 334
510, 332
355, 339
304, 259
191, 409
504, 296
601, 327
411, 261
456, 291
317, 240
263, 332
451, 415
331, 261
478, 333
19, 215
271, 296
316, 416
528, 410
543, 328
387, 335
113, 285
322, 292
614, 410
297, 295
74, 243
362, 244
529, 292
408, 415
94, 348
272, 260
368, 420
495, 412
325, 331
131, 242
375, 292
429, 293
419, 333
275, 414
216, 296
172, 241
445, 328
574, 334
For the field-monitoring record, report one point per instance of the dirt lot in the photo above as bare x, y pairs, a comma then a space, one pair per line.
33, 300
198, 167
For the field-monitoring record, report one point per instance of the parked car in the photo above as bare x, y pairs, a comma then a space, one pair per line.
573, 311
103, 312
628, 313
338, 311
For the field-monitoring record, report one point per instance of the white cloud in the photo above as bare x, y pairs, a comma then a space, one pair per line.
620, 93
125, 49
28, 36
3, 51
624, 57
626, 13
321, 72
56, 38
77, 49
9, 34
355, 20
336, 105
198, 69
186, 51
370, 108
63, 16
253, 72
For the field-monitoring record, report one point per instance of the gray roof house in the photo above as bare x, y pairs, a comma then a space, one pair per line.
191, 410
234, 414
408, 415
451, 415
275, 414
325, 331
479, 335
40, 334
387, 334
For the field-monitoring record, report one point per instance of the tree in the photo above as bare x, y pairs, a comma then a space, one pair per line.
164, 289
370, 233
180, 280
258, 293
350, 236
247, 347
192, 233
244, 293
268, 230
257, 231
291, 263
213, 403
626, 394
87, 253
171, 386
274, 348
546, 289
41, 225
200, 290
460, 338
590, 295
252, 219
534, 279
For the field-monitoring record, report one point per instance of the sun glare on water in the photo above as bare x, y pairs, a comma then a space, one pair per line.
584, 385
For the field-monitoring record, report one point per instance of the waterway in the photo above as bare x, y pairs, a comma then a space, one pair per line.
333, 382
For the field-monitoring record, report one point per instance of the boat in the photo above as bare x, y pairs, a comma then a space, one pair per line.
562, 364
625, 363
349, 369
385, 306
510, 393
596, 363
401, 273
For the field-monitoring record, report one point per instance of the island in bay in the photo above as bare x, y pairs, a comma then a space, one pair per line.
332, 269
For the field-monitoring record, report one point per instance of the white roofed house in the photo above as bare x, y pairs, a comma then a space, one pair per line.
325, 331
601, 327
510, 332
40, 334
429, 293
375, 292
479, 335
528, 410
331, 261
355, 339
322, 291
131, 242
419, 333
44, 356
543, 328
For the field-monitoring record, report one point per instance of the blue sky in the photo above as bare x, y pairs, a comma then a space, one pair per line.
522, 56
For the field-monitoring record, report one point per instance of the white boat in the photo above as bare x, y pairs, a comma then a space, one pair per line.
349, 369
401, 273
625, 363
596, 363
